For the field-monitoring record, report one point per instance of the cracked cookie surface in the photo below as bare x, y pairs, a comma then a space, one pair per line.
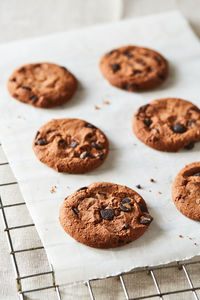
168, 124
70, 145
134, 68
42, 84
186, 191
105, 215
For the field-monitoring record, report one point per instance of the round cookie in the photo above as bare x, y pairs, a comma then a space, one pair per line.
186, 191
42, 84
105, 215
134, 68
70, 145
168, 124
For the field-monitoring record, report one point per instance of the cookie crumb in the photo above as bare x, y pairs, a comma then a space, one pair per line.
96, 107
195, 244
150, 191
53, 189
152, 180
139, 186
106, 102
19, 117
159, 193
180, 235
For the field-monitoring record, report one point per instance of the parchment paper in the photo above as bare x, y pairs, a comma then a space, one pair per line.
129, 162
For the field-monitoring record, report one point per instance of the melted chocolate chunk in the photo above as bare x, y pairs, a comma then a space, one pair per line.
41, 142
128, 54
126, 226
125, 208
143, 208
62, 143
96, 146
73, 144
161, 76
75, 210
126, 200
115, 67
25, 87
147, 122
189, 146
137, 72
33, 98
82, 188
88, 125
191, 122
179, 128
196, 174
149, 69
100, 155
89, 136
107, 214
84, 154
143, 108
145, 219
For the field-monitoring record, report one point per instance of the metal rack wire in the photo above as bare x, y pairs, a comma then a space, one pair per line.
151, 271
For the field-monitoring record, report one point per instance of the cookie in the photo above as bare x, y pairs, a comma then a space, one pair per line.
70, 145
134, 68
168, 124
42, 84
186, 191
105, 215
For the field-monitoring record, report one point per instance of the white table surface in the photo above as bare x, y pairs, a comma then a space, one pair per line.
24, 19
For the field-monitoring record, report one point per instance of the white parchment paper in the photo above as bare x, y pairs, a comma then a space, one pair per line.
129, 162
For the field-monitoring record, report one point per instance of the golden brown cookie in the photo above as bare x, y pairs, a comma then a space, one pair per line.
70, 145
42, 84
186, 191
134, 68
168, 124
105, 215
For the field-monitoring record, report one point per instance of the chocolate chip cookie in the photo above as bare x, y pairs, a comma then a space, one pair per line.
70, 145
105, 215
168, 124
42, 84
134, 68
186, 191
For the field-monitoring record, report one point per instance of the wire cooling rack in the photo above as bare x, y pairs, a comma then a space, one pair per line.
159, 294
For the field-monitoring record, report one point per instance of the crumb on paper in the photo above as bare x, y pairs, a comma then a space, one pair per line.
195, 244
150, 191
159, 193
68, 187
139, 186
152, 180
53, 189
180, 235
96, 107
106, 102
19, 117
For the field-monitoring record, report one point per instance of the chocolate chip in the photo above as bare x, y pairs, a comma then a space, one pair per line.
62, 67
84, 154
131, 86
115, 67
126, 226
88, 125
196, 174
147, 122
107, 214
195, 108
73, 144
189, 146
25, 87
149, 69
111, 52
143, 207
138, 186
143, 108
100, 155
137, 72
75, 210
41, 142
82, 188
191, 122
37, 133
102, 194
140, 61
62, 143
33, 98
125, 208
179, 128
96, 146
126, 200
128, 54
161, 76
145, 219
90, 135
81, 198
158, 60
13, 79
